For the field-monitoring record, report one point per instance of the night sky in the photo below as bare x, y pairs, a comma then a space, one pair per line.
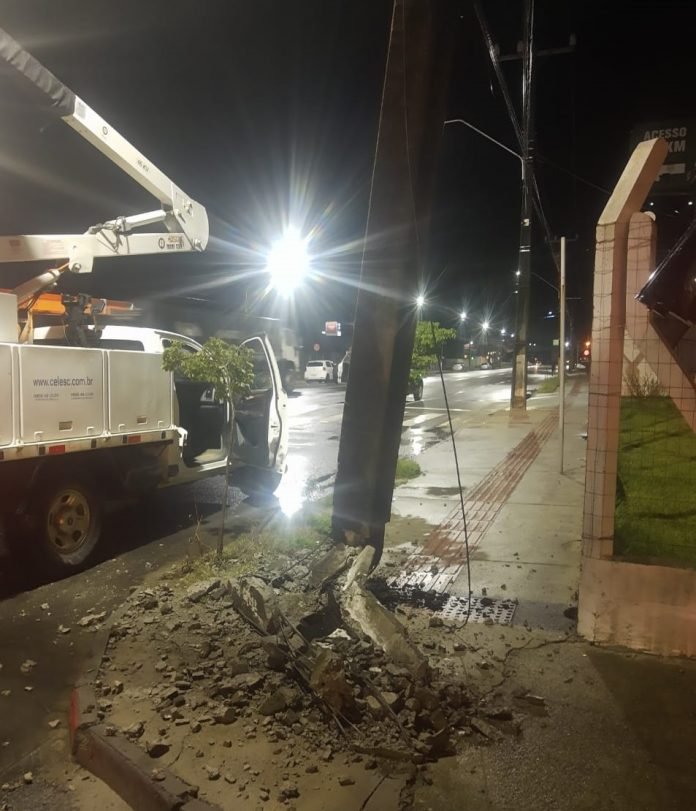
266, 112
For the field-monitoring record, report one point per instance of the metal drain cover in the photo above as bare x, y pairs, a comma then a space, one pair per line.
483, 609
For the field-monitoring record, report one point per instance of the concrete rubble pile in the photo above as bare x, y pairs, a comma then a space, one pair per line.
306, 662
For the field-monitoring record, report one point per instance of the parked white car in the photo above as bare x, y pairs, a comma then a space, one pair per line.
319, 371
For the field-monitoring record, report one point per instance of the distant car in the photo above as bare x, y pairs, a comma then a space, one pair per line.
319, 371
486, 365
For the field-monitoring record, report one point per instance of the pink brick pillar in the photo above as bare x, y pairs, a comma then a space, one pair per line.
608, 326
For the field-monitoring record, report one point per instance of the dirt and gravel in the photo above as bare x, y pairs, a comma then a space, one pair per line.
262, 689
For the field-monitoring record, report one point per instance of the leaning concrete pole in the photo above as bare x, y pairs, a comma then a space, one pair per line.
410, 126
608, 326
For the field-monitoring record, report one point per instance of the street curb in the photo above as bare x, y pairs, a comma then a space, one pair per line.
123, 765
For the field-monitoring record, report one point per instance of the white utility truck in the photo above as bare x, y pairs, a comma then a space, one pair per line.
87, 415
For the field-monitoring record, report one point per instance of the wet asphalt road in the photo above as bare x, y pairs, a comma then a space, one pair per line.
316, 414
141, 541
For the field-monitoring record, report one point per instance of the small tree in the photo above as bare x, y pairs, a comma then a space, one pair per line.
230, 370
430, 337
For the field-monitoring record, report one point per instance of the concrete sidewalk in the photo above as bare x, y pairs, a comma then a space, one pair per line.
523, 517
611, 730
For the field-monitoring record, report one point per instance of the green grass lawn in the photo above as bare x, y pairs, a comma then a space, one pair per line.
656, 493
407, 469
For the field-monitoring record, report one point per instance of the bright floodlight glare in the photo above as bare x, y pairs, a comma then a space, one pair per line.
420, 300
288, 262
462, 316
502, 331
485, 326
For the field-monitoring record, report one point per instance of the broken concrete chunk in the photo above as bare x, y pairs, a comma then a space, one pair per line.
135, 730
345, 780
328, 680
197, 591
91, 619
380, 625
157, 749
227, 716
255, 600
27, 666
331, 565
375, 707
428, 699
278, 701
246, 681
486, 729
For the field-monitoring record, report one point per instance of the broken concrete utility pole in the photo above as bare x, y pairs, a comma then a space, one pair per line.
410, 127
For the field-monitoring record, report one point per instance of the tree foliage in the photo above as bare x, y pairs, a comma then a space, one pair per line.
430, 337
230, 370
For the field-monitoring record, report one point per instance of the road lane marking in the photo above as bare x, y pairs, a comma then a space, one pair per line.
411, 406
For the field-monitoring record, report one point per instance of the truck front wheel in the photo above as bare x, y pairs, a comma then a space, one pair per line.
68, 525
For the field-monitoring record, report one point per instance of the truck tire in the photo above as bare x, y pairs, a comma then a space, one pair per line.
68, 523
254, 482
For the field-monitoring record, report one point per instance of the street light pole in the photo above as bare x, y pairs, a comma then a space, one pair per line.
561, 363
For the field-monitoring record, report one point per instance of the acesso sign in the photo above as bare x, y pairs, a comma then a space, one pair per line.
675, 137
678, 172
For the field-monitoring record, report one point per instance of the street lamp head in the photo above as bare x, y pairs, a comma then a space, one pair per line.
503, 331
420, 300
462, 315
485, 326
288, 262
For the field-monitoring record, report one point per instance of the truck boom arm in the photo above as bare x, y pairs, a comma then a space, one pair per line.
185, 220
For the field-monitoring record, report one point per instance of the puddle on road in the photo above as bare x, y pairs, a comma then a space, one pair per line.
442, 491
298, 488
416, 440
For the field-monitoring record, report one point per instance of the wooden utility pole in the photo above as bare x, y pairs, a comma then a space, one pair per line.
410, 127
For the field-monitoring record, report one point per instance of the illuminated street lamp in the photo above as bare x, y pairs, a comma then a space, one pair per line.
485, 326
462, 316
503, 331
288, 262
420, 301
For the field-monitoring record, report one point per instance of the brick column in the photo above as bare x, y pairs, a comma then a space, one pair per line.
608, 326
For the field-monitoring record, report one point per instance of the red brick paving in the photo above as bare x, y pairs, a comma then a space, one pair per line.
444, 554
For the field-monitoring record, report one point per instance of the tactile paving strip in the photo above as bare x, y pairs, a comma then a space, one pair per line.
483, 609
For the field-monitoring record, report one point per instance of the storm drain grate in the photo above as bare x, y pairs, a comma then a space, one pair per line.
483, 609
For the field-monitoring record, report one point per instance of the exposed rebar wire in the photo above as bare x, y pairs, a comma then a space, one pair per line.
459, 478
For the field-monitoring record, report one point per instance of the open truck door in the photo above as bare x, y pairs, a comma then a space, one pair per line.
260, 437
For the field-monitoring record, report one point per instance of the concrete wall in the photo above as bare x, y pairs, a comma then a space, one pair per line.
640, 606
